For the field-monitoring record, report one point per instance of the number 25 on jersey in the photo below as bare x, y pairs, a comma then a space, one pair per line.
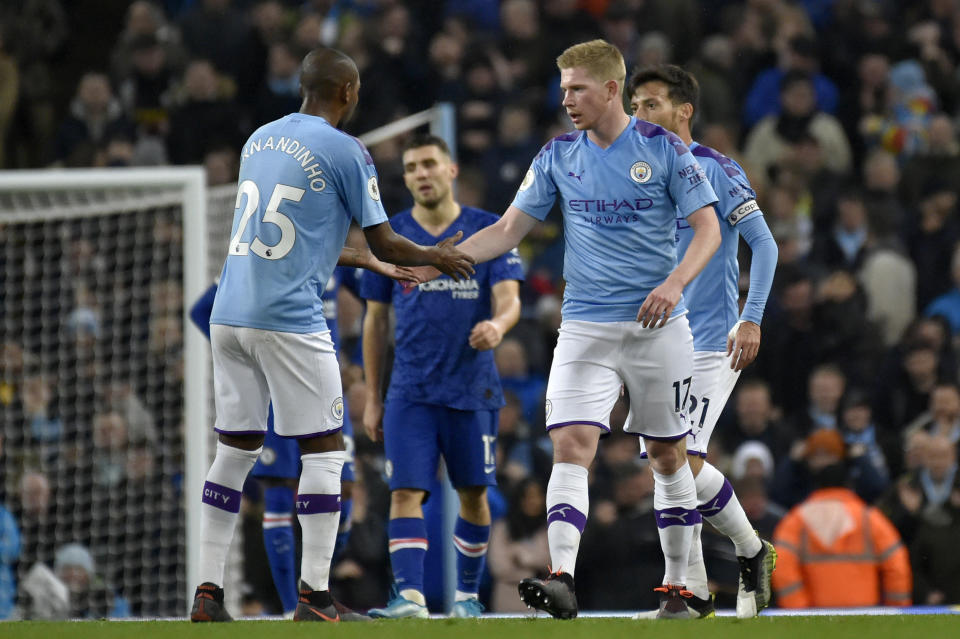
288, 234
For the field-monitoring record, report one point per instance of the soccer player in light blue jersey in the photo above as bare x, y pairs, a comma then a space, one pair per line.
444, 395
724, 340
301, 183
619, 182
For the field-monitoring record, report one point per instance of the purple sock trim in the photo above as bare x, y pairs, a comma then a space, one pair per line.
715, 505
221, 497
317, 504
677, 517
568, 514
577, 422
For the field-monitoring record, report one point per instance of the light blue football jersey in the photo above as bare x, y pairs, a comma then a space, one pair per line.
301, 183
713, 294
619, 214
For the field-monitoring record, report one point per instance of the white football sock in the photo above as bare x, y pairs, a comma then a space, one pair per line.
719, 504
221, 503
696, 569
318, 509
675, 506
567, 505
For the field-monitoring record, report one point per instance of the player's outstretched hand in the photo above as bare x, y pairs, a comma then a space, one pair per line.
660, 304
485, 335
421, 274
453, 261
394, 272
744, 345
373, 420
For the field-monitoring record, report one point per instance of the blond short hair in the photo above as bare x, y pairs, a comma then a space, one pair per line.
601, 60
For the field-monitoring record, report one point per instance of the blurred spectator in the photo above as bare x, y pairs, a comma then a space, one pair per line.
865, 98
216, 31
505, 162
799, 56
206, 118
822, 457
755, 420
924, 490
840, 322
901, 129
889, 280
845, 245
95, 115
714, 70
518, 545
519, 454
943, 417
752, 460
768, 141
937, 162
826, 386
947, 305
9, 94
903, 392
859, 432
516, 377
109, 458
835, 550
90, 596
933, 241
762, 513
221, 166
145, 18
280, 94
9, 554
41, 420
933, 555
881, 182
146, 88
37, 522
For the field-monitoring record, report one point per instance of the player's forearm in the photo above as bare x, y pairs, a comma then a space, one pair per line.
705, 242
375, 329
506, 309
763, 265
357, 258
496, 239
389, 247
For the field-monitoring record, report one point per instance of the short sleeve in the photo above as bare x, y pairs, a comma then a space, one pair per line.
360, 190
537, 191
376, 287
508, 266
688, 184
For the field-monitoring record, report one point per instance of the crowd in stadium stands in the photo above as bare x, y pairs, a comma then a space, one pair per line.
844, 114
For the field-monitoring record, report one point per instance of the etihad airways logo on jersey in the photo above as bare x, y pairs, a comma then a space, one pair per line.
610, 206
462, 290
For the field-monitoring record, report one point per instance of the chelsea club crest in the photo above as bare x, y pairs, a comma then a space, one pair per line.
640, 172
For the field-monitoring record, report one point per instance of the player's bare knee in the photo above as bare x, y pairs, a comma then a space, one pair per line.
473, 503
243, 442
666, 457
575, 444
321, 444
406, 499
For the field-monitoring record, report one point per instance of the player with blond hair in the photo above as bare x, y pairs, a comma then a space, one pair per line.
619, 182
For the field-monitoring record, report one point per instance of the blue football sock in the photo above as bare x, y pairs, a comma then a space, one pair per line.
279, 543
343, 532
471, 543
408, 548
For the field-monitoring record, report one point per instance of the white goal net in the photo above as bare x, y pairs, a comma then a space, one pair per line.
92, 394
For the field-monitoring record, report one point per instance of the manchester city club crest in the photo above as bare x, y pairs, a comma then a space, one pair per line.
641, 172
337, 408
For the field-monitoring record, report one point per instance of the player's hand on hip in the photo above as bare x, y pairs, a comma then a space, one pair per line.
451, 260
373, 420
485, 335
743, 346
660, 304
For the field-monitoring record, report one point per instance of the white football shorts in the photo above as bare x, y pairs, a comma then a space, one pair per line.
299, 372
593, 359
713, 382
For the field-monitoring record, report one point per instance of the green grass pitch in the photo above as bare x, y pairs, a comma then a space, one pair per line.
853, 627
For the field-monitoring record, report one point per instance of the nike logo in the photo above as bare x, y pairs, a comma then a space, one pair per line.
489, 469
682, 517
560, 509
321, 615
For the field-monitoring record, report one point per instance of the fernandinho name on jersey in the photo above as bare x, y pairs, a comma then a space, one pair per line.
294, 148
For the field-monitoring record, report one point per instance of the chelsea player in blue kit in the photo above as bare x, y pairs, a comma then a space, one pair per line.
619, 182
724, 340
444, 394
302, 181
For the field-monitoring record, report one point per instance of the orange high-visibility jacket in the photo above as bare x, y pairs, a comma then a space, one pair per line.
836, 551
